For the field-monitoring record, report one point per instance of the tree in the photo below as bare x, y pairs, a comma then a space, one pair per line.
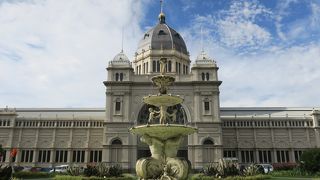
310, 160
1, 151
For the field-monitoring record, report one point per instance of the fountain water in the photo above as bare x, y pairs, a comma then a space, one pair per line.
164, 138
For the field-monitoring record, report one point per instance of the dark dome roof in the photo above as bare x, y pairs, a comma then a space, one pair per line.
162, 37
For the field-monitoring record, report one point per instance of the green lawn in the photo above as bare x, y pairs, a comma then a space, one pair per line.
294, 178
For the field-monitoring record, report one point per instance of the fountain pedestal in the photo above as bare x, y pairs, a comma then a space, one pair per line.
163, 139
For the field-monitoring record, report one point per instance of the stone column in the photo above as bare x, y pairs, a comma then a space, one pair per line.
274, 155
69, 159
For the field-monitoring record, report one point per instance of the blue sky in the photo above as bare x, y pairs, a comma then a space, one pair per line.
53, 53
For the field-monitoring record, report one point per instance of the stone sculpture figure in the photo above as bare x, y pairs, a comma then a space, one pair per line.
163, 63
163, 160
173, 115
152, 115
163, 114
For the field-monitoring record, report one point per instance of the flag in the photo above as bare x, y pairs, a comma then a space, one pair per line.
13, 152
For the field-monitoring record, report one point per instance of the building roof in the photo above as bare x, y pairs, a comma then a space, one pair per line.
162, 37
99, 113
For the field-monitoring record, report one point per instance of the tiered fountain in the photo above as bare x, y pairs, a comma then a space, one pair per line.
163, 137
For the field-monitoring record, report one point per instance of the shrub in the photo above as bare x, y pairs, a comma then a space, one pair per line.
310, 160
284, 166
115, 170
28, 174
91, 171
67, 177
256, 177
17, 168
74, 171
102, 169
252, 170
64, 177
5, 172
108, 171
210, 170
295, 173
228, 168
223, 168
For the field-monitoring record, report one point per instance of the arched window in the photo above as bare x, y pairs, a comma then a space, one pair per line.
116, 151
180, 116
117, 76
169, 66
208, 150
202, 76
207, 76
116, 142
207, 142
121, 76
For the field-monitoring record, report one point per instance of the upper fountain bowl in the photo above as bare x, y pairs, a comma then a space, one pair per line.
163, 80
162, 100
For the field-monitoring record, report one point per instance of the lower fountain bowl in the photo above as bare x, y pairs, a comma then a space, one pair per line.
163, 131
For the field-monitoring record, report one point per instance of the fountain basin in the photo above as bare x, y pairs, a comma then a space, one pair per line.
162, 131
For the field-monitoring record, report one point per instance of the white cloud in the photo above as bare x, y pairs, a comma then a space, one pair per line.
279, 76
315, 16
238, 26
54, 53
284, 78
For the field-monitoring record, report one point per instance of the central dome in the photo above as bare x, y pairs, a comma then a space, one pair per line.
162, 37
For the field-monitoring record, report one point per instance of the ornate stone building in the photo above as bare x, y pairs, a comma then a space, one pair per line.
50, 137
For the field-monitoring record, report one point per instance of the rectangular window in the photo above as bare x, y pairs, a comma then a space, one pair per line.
158, 66
65, 156
61, 156
118, 106
177, 67
247, 156
78, 156
44, 156
147, 67
265, 156
26, 156
40, 156
91, 156
229, 154
283, 156
82, 156
95, 156
206, 106
297, 155
144, 68
154, 66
